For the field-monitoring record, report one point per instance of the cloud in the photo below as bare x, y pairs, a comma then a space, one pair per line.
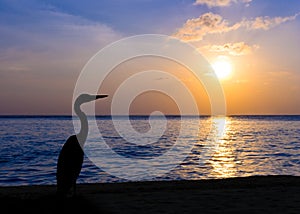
234, 49
209, 23
57, 38
266, 23
41, 56
220, 3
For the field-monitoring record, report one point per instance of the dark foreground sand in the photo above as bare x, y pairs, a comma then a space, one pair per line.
270, 194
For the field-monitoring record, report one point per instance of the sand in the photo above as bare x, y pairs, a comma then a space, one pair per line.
258, 194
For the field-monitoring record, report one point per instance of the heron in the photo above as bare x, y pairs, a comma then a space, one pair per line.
71, 155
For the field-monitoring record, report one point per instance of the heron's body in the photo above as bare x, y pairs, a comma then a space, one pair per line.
69, 166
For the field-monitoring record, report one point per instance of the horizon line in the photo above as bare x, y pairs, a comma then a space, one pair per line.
141, 115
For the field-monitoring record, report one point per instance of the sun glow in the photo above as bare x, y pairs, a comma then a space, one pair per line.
222, 67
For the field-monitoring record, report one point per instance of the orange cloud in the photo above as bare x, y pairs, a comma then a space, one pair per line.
234, 49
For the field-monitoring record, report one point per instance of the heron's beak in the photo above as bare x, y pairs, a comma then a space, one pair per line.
101, 96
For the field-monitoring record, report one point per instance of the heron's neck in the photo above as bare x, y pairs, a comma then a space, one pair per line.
84, 128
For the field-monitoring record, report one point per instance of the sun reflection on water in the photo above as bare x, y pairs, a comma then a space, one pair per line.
223, 158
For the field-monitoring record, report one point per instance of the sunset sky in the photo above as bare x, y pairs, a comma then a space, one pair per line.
45, 44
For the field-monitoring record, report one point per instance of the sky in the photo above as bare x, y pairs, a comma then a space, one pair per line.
45, 44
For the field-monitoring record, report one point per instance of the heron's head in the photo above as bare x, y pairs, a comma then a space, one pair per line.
84, 98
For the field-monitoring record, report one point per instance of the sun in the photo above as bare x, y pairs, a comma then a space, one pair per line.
222, 67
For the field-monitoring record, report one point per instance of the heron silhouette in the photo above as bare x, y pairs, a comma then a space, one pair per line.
70, 158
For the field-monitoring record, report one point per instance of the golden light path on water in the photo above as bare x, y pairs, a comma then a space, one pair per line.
215, 154
223, 160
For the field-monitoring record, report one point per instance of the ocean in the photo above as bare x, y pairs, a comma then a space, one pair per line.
243, 146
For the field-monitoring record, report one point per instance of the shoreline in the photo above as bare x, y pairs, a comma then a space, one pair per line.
276, 194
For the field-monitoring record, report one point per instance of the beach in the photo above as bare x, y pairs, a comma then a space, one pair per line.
255, 194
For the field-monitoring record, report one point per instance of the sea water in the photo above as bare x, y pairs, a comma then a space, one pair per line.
241, 146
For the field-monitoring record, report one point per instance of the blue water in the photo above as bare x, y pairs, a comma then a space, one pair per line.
248, 145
